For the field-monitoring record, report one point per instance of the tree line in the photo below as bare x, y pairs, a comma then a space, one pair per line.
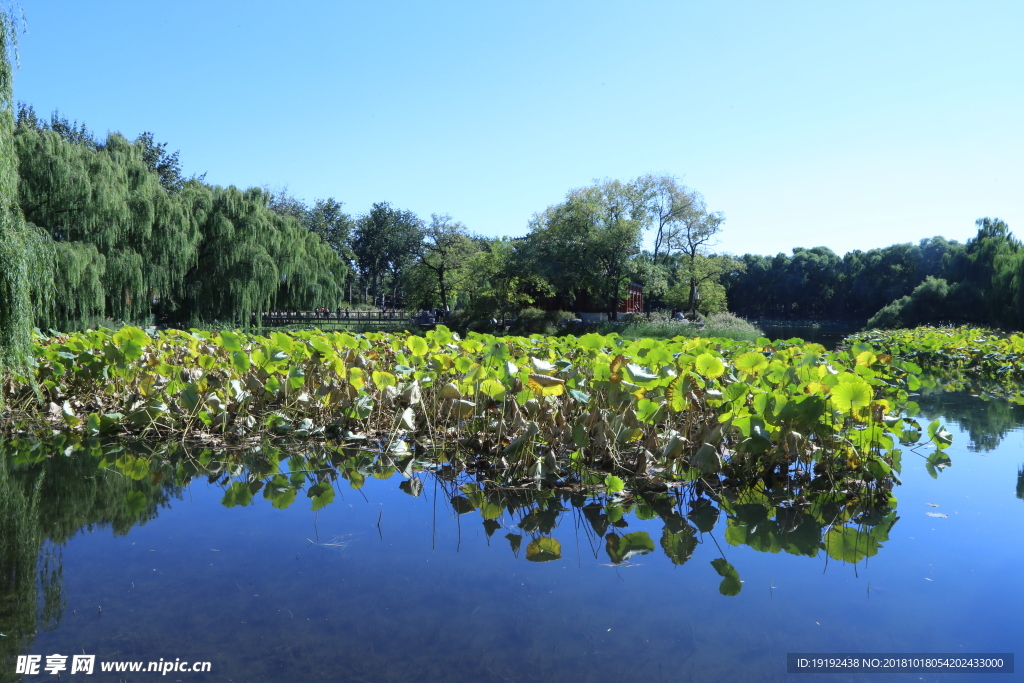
903, 285
113, 229
120, 233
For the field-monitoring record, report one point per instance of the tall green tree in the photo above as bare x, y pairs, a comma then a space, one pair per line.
693, 236
110, 198
585, 246
25, 257
385, 243
445, 252
327, 219
669, 205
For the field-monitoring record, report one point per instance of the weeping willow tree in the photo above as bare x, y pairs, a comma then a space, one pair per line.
121, 239
25, 258
252, 259
122, 227
313, 273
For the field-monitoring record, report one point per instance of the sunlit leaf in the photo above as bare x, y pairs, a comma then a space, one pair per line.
849, 396
709, 366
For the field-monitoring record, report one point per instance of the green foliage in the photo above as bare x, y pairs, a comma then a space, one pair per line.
385, 243
26, 262
445, 261
928, 302
542, 406
934, 281
535, 321
584, 248
975, 352
128, 231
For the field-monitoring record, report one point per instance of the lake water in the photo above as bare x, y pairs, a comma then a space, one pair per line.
382, 585
828, 335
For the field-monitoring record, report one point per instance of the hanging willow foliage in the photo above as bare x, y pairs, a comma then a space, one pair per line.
25, 261
252, 259
107, 197
121, 240
79, 275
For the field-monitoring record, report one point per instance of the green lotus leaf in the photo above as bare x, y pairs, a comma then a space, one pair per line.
709, 366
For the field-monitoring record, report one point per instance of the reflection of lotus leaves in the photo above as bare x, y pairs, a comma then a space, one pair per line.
731, 584
704, 515
622, 548
679, 546
543, 549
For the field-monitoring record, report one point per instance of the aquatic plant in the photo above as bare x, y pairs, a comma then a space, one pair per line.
979, 352
520, 408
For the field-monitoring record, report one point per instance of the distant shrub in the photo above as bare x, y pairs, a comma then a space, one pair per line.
663, 327
730, 326
929, 302
535, 321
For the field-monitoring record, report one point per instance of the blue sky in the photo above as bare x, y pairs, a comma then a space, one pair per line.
848, 125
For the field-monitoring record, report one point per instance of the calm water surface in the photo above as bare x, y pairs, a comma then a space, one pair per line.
380, 585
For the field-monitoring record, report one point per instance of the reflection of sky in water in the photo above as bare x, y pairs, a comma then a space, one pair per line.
245, 589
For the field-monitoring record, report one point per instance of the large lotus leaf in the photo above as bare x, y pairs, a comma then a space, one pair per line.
492, 388
542, 367
939, 435
591, 341
709, 366
675, 393
704, 515
450, 390
323, 494
849, 545
734, 391
849, 396
679, 547
544, 385
239, 493
707, 460
417, 345
641, 376
614, 484
594, 514
622, 548
514, 540
936, 462
751, 362
414, 486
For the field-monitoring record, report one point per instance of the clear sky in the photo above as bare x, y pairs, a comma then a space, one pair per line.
851, 125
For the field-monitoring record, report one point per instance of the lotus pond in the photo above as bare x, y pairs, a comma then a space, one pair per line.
702, 535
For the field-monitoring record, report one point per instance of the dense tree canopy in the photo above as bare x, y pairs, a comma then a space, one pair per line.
585, 246
128, 234
934, 281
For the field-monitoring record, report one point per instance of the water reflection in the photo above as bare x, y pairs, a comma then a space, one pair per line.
493, 600
986, 410
50, 492
46, 499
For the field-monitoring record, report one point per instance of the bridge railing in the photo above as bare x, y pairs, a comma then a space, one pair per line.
314, 318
